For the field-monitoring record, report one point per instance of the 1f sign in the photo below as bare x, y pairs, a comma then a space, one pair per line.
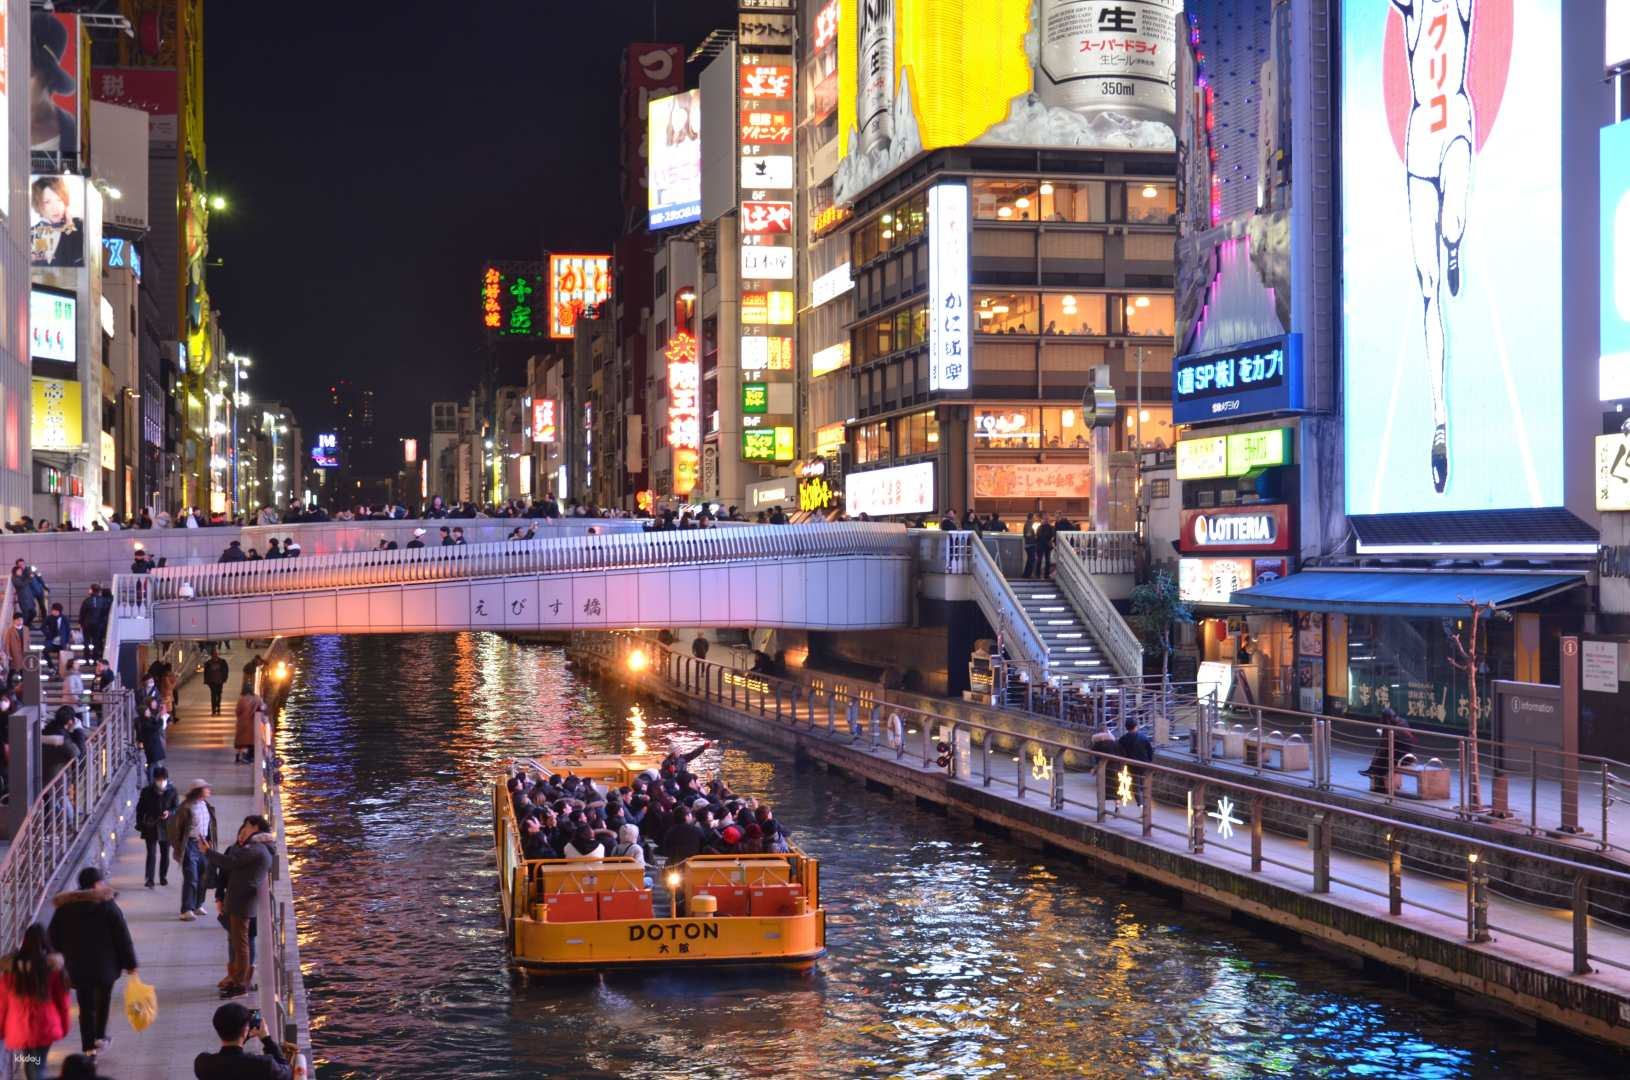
949, 337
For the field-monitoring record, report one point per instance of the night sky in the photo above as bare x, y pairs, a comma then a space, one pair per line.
374, 155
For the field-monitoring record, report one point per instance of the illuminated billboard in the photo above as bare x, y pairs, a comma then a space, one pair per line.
905, 489
55, 74
1452, 332
949, 341
53, 323
577, 283
767, 444
543, 420
684, 411
1615, 256
512, 298
325, 453
58, 419
674, 187
56, 221
1233, 218
917, 75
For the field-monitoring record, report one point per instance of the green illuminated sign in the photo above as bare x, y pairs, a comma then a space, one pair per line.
1251, 450
767, 444
755, 398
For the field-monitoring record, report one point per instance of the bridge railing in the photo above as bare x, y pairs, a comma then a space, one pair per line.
63, 810
1034, 767
134, 594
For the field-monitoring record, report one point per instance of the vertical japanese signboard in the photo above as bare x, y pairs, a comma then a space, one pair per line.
948, 341
766, 85
684, 411
512, 300
576, 284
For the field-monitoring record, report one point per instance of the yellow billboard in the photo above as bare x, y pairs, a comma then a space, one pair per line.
917, 75
57, 423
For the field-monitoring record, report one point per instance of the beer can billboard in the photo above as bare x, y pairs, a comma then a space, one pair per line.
917, 75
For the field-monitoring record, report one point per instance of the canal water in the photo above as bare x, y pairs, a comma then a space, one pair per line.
950, 954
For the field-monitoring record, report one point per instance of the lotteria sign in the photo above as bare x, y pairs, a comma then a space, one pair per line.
1243, 528
1260, 377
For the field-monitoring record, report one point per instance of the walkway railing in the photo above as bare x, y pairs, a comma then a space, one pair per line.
941, 552
1073, 576
1038, 771
1102, 552
277, 948
64, 809
133, 594
1001, 607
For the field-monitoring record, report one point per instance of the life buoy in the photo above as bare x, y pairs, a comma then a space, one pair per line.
897, 732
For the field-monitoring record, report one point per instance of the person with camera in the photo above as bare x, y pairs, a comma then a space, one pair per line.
236, 1025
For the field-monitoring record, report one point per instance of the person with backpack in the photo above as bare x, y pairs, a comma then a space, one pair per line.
33, 1001
90, 930
155, 807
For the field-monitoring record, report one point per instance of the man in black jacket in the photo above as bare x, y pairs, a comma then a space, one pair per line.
246, 865
232, 1062
1135, 744
216, 670
155, 806
93, 620
90, 932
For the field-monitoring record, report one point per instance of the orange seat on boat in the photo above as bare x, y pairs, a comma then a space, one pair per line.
775, 901
732, 899
626, 904
571, 907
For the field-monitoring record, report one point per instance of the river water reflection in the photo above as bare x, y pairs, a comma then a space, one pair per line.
950, 954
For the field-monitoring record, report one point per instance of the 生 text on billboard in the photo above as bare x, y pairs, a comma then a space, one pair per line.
1448, 129
918, 75
949, 353
577, 283
674, 141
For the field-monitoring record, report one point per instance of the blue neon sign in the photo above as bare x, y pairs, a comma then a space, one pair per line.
1258, 377
121, 252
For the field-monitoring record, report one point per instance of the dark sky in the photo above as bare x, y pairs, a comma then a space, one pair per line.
375, 154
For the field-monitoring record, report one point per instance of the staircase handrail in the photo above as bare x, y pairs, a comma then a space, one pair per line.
1103, 551
1001, 606
610, 551
1119, 642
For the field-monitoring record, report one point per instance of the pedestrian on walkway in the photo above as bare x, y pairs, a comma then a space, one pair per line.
191, 834
236, 1025
250, 709
246, 864
216, 671
33, 1001
93, 620
1135, 744
16, 643
58, 639
250, 670
73, 691
90, 930
155, 807
1046, 535
1030, 561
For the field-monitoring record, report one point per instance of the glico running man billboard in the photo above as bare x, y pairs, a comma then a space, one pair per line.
917, 75
1451, 254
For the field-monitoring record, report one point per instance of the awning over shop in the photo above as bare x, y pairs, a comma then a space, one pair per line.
1427, 594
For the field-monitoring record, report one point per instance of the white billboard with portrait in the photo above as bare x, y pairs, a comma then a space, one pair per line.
1451, 196
674, 135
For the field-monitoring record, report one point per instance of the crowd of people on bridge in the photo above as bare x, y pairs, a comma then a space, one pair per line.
668, 812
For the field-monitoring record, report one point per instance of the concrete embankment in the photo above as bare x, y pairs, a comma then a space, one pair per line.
1516, 971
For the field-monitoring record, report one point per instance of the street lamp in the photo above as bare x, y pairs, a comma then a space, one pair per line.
217, 202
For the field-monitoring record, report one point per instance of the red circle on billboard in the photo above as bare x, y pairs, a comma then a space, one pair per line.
1487, 65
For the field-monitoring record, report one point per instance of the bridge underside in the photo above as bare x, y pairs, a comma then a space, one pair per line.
843, 592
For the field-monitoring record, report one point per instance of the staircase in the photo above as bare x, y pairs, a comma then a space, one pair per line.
1073, 655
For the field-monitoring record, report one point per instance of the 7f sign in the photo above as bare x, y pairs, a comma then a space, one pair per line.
948, 330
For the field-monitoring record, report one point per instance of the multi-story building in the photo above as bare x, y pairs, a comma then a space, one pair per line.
15, 389
442, 453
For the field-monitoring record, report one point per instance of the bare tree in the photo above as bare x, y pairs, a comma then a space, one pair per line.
1468, 658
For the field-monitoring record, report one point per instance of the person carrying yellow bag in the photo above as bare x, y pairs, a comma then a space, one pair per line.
141, 1003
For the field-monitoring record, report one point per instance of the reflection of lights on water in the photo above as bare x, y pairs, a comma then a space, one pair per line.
636, 731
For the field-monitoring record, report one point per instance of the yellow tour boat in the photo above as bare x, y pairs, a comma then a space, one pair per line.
585, 915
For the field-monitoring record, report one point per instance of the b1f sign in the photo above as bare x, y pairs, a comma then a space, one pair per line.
949, 338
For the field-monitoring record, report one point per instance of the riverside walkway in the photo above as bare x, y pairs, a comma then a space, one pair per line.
1409, 904
182, 960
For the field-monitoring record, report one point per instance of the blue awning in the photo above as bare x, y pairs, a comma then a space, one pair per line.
1427, 594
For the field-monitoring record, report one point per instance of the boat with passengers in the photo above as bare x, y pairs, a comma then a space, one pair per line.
596, 914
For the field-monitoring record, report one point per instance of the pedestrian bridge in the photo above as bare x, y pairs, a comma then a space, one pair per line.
849, 576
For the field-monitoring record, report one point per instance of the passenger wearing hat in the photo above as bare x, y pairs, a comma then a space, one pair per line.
416, 542
192, 832
52, 129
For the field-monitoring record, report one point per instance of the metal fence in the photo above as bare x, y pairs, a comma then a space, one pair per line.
63, 810
1035, 767
277, 948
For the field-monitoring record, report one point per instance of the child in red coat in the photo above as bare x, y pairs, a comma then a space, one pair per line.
33, 1001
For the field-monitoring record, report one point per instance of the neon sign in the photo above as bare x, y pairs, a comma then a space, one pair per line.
543, 420
684, 410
